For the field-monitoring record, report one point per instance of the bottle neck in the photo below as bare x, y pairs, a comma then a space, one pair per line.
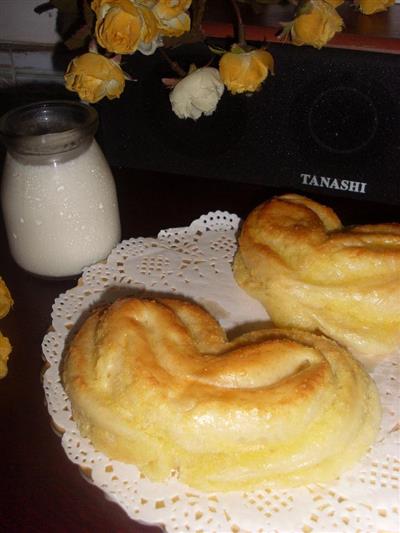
51, 159
48, 132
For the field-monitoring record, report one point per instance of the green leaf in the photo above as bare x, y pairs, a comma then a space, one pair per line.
72, 16
236, 49
284, 32
217, 50
42, 8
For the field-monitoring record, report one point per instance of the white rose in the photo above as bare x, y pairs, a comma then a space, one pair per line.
197, 94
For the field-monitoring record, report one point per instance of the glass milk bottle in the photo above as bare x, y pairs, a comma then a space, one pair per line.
58, 194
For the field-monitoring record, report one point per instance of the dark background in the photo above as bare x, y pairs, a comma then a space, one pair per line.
329, 112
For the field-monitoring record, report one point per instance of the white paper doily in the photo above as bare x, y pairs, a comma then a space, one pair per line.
195, 262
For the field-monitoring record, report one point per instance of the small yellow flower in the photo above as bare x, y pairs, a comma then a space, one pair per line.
245, 71
150, 29
369, 7
169, 9
335, 3
317, 25
171, 16
93, 77
122, 26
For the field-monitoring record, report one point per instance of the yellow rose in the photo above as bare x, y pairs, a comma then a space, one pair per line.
317, 25
171, 16
95, 5
368, 7
93, 76
150, 28
245, 71
169, 9
335, 3
121, 25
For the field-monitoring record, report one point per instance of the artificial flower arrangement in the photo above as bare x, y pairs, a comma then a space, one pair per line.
114, 29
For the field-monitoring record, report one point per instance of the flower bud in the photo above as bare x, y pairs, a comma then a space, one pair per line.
316, 25
93, 76
171, 16
369, 7
197, 94
245, 71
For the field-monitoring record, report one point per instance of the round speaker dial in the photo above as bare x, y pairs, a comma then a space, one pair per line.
343, 120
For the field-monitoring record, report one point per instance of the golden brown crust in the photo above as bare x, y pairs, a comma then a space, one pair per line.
157, 384
310, 272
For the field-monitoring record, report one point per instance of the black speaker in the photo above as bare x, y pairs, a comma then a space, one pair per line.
327, 122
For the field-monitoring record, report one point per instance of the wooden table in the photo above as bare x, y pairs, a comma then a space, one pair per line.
40, 489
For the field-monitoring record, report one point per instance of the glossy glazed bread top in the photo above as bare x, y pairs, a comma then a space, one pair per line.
156, 383
310, 272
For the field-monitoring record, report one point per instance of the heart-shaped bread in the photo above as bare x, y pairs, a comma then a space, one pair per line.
156, 383
312, 273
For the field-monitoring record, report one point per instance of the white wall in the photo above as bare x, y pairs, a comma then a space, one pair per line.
19, 23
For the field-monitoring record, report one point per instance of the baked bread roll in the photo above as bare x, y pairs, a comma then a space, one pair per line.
310, 272
156, 383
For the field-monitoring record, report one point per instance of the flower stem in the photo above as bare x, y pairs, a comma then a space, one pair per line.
173, 64
240, 25
199, 7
